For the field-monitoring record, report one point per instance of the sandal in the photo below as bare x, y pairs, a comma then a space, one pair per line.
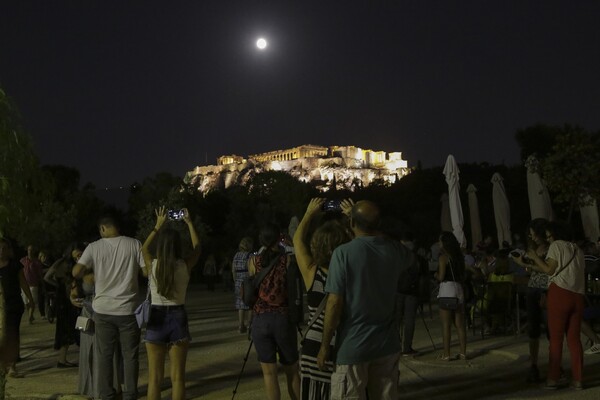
575, 385
442, 357
462, 357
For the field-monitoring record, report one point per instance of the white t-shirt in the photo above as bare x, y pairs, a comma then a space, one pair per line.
572, 277
181, 280
116, 263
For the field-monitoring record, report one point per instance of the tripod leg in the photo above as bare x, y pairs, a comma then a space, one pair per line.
242, 371
426, 327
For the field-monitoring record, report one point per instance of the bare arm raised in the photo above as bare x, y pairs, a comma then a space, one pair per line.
161, 217
303, 255
192, 259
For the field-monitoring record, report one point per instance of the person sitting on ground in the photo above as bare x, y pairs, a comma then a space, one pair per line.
167, 329
313, 262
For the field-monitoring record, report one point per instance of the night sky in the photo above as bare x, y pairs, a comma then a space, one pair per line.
122, 90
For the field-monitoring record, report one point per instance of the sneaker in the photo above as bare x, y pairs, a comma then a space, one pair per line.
595, 349
534, 374
65, 365
550, 385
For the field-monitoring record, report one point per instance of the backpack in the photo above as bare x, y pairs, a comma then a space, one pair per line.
409, 277
295, 290
251, 284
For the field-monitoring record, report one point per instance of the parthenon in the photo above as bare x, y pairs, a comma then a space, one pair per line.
347, 166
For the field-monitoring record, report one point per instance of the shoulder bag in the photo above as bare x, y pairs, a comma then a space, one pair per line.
448, 294
142, 312
251, 284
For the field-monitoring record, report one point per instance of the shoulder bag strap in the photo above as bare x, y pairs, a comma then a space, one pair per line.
149, 277
315, 316
569, 262
451, 270
258, 278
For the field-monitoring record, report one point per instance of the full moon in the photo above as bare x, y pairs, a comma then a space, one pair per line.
261, 44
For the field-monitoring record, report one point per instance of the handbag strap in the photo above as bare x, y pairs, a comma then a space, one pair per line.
569, 262
315, 316
451, 270
258, 278
149, 277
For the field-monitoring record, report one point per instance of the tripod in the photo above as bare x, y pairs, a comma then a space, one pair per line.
420, 308
242, 371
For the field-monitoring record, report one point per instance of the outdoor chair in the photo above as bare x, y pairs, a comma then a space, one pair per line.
494, 302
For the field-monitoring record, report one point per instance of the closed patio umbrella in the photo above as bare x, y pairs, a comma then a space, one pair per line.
589, 220
456, 214
445, 221
539, 199
474, 216
501, 210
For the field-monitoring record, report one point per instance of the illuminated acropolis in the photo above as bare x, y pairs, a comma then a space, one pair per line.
347, 167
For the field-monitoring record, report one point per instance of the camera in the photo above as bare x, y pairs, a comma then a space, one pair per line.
517, 253
520, 253
175, 215
332, 205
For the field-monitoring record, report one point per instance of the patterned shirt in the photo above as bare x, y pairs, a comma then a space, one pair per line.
272, 295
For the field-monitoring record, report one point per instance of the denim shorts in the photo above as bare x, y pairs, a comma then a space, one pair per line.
273, 335
167, 325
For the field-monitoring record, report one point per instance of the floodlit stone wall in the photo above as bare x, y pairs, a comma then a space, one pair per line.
348, 167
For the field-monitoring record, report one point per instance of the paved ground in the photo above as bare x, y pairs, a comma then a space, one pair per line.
496, 370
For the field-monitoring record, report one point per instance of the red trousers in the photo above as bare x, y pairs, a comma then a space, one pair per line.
565, 312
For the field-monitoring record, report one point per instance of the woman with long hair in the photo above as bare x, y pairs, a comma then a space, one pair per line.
167, 329
452, 269
536, 292
313, 262
565, 265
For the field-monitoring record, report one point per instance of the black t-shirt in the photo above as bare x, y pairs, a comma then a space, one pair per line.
9, 276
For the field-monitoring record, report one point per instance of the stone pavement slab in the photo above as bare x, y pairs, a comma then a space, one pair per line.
497, 367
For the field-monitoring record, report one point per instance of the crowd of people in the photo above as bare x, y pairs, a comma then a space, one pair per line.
363, 280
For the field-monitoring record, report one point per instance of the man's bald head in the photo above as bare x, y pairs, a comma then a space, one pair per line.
365, 216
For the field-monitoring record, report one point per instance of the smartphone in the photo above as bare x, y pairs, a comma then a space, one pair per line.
332, 205
175, 215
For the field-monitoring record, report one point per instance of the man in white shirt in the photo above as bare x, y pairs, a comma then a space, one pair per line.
116, 262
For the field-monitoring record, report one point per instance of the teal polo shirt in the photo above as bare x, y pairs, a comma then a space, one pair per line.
365, 273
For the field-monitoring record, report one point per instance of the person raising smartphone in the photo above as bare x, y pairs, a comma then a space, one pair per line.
167, 329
